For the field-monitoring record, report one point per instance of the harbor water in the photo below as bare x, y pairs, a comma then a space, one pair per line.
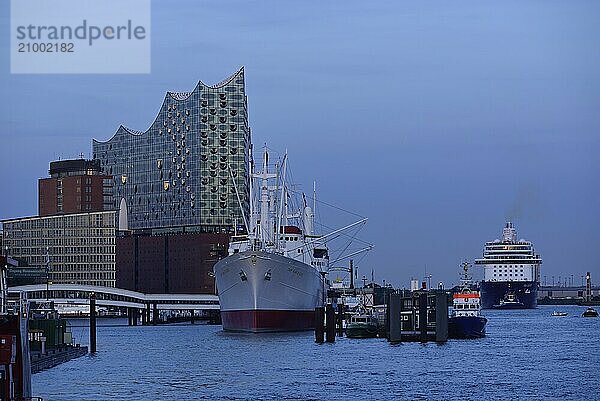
527, 354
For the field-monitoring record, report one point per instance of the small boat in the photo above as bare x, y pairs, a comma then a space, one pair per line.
362, 325
466, 321
510, 301
590, 312
556, 313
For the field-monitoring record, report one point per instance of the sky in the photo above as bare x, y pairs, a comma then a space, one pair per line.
438, 121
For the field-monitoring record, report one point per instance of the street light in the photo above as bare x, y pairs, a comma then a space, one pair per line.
47, 271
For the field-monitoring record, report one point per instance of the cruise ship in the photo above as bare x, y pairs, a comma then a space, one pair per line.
274, 276
511, 272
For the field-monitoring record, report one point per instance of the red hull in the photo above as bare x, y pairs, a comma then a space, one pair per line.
261, 321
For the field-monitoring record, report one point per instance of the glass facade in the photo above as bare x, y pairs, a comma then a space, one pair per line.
190, 166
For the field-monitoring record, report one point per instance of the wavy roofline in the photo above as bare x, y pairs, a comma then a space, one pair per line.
171, 94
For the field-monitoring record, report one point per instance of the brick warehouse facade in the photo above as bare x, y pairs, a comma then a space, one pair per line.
169, 263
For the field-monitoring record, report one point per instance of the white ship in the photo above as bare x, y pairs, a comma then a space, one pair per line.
511, 272
274, 276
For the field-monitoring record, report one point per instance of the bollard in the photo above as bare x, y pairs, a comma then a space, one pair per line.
93, 323
340, 320
330, 324
319, 318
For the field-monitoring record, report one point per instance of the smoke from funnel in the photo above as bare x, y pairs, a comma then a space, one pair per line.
525, 202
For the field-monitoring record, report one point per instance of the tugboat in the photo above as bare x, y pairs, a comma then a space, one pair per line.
590, 312
510, 301
466, 320
362, 325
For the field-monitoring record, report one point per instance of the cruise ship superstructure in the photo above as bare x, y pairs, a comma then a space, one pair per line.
511, 272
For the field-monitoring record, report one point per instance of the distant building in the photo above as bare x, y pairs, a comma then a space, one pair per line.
562, 292
74, 186
78, 248
191, 167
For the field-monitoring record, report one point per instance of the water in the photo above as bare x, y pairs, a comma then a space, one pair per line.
526, 355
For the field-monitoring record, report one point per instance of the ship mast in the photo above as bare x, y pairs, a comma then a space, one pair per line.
265, 232
279, 231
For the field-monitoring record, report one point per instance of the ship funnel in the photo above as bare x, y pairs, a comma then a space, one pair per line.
309, 220
509, 234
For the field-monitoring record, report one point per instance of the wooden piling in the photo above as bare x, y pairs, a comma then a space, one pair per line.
330, 324
319, 328
93, 323
193, 315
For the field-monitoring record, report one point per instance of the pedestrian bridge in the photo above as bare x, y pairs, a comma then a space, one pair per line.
73, 294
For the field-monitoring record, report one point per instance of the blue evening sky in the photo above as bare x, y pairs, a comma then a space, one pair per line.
437, 120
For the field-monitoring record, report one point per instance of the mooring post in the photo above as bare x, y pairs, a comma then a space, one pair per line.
394, 314
423, 317
192, 315
148, 314
93, 323
135, 313
340, 320
154, 314
129, 317
330, 324
441, 316
319, 320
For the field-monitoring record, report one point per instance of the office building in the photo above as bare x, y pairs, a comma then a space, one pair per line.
78, 248
74, 186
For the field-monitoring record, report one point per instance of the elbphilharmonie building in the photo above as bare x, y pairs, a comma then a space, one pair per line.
190, 168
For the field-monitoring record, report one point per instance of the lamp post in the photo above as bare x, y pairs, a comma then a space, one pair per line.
47, 271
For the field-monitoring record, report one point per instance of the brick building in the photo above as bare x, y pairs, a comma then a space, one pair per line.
74, 186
